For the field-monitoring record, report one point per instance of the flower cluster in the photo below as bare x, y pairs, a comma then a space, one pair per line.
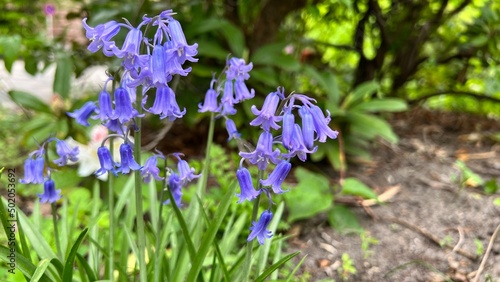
36, 170
296, 139
283, 136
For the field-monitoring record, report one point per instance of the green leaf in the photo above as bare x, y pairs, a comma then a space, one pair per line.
235, 38
26, 267
266, 75
10, 46
210, 48
362, 91
275, 266
344, 220
491, 186
381, 105
29, 101
272, 54
469, 177
210, 233
370, 126
90, 273
40, 270
311, 195
496, 202
62, 78
70, 260
327, 82
353, 186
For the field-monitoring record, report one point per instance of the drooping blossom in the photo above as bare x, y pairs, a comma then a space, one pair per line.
50, 194
259, 228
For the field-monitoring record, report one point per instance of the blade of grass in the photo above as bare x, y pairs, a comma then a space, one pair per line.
275, 266
24, 244
210, 233
36, 239
292, 274
23, 264
40, 270
91, 276
70, 260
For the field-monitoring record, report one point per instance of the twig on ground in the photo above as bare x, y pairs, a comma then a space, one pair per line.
488, 250
431, 237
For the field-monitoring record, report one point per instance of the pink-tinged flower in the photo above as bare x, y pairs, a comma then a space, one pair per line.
247, 189
50, 194
49, 9
259, 229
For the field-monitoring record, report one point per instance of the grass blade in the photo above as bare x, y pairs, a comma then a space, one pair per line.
209, 235
292, 274
88, 270
40, 270
23, 264
70, 260
275, 266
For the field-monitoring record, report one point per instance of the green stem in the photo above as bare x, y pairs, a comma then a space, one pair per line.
202, 185
247, 265
141, 235
56, 231
159, 227
111, 208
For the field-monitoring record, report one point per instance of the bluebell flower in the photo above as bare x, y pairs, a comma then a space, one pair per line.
186, 173
160, 76
180, 48
127, 159
115, 126
321, 124
66, 153
246, 186
174, 185
33, 170
288, 127
130, 49
232, 131
259, 229
83, 114
50, 194
106, 161
124, 110
105, 111
150, 169
238, 69
101, 35
297, 146
241, 91
263, 153
276, 178
210, 103
165, 104
307, 127
174, 62
227, 109
266, 117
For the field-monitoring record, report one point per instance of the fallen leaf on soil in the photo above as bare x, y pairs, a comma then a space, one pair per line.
462, 155
384, 197
322, 263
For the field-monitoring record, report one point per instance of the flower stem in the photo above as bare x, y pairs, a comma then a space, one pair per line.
159, 227
56, 230
202, 185
141, 235
247, 264
111, 208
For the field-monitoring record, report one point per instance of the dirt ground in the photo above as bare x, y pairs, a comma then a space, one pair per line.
430, 209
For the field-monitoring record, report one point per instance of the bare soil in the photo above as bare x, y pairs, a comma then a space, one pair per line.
430, 229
